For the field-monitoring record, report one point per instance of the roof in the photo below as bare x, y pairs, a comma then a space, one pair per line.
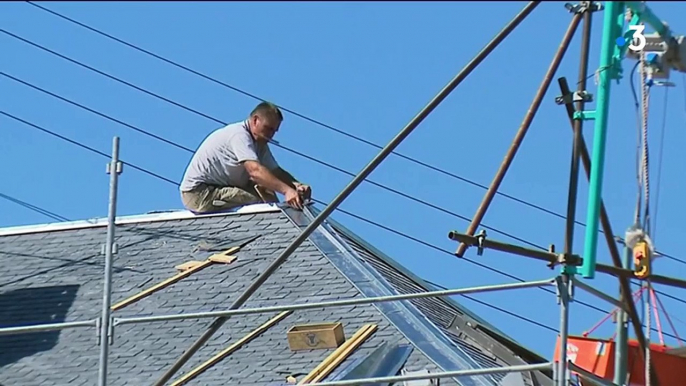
54, 273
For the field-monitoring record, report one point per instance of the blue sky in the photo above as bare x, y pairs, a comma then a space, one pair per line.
366, 69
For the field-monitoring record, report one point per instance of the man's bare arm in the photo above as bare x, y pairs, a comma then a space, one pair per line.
266, 179
304, 190
286, 177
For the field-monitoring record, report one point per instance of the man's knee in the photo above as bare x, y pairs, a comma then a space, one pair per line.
213, 199
195, 202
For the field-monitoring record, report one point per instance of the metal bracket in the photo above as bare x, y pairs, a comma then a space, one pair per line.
480, 242
119, 168
110, 330
565, 292
98, 322
563, 259
585, 115
583, 7
103, 248
576, 96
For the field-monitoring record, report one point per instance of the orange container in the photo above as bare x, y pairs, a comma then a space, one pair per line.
598, 357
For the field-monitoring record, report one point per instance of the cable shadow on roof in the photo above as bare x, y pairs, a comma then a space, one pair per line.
28, 306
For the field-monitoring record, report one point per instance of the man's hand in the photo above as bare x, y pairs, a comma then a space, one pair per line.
293, 198
304, 190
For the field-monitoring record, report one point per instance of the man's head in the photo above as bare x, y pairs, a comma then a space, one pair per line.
265, 120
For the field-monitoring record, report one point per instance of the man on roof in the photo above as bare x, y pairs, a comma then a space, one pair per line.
234, 166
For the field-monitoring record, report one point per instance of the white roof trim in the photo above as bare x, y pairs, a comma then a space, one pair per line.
150, 217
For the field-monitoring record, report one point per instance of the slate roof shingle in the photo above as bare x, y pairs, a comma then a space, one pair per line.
57, 276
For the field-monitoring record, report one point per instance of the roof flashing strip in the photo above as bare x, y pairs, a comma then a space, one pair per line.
134, 219
425, 336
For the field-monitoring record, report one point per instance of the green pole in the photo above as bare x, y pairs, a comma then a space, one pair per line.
612, 29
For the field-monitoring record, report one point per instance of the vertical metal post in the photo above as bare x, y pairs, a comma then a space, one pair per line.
622, 345
587, 11
564, 286
113, 169
612, 29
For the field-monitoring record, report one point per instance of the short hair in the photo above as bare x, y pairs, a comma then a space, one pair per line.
268, 110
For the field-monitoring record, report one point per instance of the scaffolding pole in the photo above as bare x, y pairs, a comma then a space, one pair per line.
376, 161
47, 327
439, 375
564, 297
521, 132
589, 375
622, 345
333, 303
114, 168
552, 258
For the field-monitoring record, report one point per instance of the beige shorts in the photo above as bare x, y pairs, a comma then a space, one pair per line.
208, 198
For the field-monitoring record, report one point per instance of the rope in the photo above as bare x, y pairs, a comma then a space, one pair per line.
644, 185
647, 334
659, 162
645, 99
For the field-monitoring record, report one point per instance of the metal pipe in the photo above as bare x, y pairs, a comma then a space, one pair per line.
523, 128
564, 293
612, 29
445, 374
594, 291
590, 375
554, 259
542, 255
622, 345
335, 303
243, 297
114, 168
577, 129
46, 327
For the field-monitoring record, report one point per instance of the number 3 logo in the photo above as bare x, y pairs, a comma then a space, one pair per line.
637, 37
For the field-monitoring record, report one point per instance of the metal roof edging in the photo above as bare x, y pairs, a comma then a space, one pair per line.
406, 318
458, 306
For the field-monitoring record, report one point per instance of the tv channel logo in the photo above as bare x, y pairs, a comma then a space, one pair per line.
639, 40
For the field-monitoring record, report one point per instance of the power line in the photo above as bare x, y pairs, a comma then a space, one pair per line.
295, 113
517, 316
381, 226
333, 167
463, 179
76, 143
34, 208
464, 218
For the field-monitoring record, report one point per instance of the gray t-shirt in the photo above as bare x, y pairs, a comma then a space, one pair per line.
219, 159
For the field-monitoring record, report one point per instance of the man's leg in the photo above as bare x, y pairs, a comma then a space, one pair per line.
207, 198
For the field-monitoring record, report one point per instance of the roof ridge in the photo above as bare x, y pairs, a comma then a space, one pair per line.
153, 216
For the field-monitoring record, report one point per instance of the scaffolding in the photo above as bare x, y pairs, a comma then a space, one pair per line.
565, 282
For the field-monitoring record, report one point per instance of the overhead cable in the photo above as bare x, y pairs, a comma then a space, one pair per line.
214, 119
248, 94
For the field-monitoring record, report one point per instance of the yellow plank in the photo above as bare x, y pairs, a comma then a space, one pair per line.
221, 259
339, 351
172, 280
187, 265
221, 355
161, 285
345, 354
